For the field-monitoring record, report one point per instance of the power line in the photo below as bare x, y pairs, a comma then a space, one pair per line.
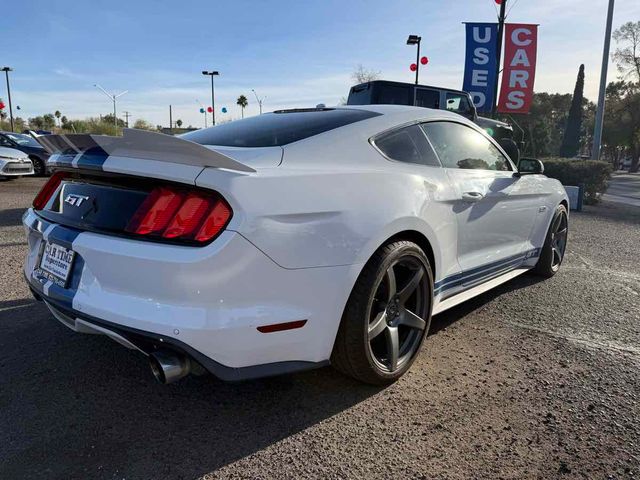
512, 5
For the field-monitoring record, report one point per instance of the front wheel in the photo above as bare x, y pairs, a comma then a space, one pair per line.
555, 245
39, 169
387, 316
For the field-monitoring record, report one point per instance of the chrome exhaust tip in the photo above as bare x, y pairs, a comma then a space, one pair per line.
168, 366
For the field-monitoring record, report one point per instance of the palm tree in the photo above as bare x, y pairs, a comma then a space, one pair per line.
243, 102
58, 115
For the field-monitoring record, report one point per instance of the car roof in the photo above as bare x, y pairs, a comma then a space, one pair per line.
405, 110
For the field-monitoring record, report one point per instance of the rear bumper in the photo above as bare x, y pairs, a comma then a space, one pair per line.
206, 302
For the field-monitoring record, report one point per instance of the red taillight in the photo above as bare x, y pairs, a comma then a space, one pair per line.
172, 214
215, 221
48, 189
155, 213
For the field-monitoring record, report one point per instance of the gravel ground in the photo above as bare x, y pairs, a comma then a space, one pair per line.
536, 379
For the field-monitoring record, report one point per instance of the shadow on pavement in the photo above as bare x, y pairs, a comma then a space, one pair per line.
81, 406
611, 211
444, 319
11, 217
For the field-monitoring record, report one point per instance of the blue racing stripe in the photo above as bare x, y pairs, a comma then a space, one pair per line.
92, 161
484, 272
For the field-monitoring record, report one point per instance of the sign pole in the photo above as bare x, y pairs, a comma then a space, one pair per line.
501, 19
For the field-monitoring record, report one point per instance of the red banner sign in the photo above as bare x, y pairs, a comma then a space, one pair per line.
519, 68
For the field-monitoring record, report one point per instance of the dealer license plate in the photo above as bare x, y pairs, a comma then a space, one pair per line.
56, 263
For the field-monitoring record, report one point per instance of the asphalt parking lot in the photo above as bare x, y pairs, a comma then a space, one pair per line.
536, 379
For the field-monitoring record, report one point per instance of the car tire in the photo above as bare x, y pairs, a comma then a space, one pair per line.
555, 245
387, 316
39, 169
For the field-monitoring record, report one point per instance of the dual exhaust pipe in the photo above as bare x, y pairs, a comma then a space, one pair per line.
168, 366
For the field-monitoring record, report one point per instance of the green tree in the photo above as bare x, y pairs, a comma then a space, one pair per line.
178, 123
108, 118
49, 121
571, 141
627, 56
243, 102
623, 111
142, 124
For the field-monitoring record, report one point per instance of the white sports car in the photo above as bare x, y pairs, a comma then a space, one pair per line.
14, 163
286, 241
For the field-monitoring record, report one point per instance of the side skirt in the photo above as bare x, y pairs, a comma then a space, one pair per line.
477, 290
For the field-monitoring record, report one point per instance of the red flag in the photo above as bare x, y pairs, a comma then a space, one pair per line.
519, 68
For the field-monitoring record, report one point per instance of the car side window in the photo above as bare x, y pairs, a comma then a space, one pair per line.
459, 146
5, 142
428, 98
458, 103
409, 145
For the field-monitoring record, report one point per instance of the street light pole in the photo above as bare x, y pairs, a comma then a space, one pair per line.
113, 98
259, 100
212, 74
415, 40
501, 19
6, 71
597, 131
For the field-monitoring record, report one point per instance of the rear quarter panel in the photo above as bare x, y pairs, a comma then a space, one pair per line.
334, 201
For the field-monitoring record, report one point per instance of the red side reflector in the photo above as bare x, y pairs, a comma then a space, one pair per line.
48, 189
278, 327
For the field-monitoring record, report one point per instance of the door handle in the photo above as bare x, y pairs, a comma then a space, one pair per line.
472, 196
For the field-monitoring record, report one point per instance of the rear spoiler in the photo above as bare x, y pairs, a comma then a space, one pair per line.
141, 144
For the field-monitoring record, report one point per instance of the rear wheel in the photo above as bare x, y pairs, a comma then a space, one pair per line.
387, 315
555, 244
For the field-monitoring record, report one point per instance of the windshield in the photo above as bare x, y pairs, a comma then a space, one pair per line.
23, 140
277, 128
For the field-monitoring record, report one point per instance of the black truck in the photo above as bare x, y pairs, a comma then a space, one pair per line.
384, 92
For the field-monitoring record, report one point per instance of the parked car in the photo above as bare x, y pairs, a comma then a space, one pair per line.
28, 145
14, 163
384, 92
288, 240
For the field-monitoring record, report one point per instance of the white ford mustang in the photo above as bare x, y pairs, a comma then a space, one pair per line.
288, 240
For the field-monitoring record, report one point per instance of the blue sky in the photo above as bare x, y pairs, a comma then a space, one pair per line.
297, 53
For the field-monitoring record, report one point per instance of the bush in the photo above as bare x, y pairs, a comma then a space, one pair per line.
592, 175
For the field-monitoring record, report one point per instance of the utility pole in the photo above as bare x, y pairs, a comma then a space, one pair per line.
501, 19
126, 116
259, 100
170, 121
6, 71
597, 131
212, 74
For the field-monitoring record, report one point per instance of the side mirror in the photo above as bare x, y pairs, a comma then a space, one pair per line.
530, 166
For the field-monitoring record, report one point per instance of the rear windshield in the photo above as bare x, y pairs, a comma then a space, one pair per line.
380, 94
277, 128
